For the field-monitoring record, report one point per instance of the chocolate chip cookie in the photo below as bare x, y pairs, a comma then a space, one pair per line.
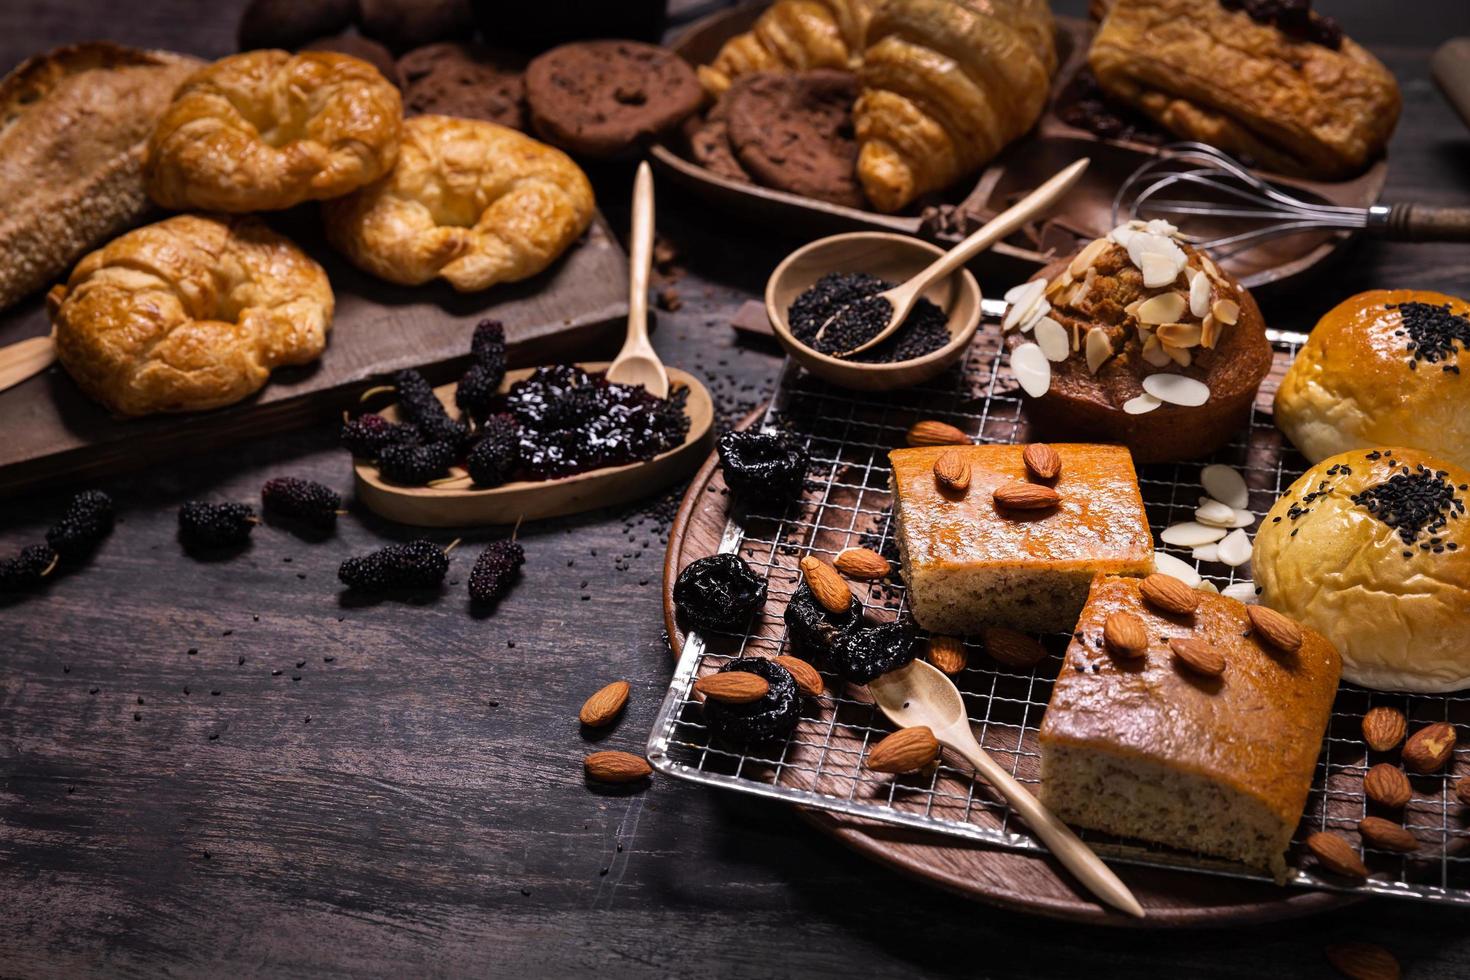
793, 131
709, 142
466, 80
597, 98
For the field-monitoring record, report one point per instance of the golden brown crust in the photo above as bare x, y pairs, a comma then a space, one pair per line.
188, 314
73, 124
1215, 75
1351, 385
471, 202
266, 130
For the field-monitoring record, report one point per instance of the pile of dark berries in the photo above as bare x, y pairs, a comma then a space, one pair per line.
368, 435
851, 295
772, 716
1414, 502
414, 465
497, 455
1084, 104
763, 466
718, 592
1433, 333
1294, 18
204, 525
418, 564
496, 570
88, 519
306, 501
419, 405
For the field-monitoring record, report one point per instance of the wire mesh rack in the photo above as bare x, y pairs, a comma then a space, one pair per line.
847, 504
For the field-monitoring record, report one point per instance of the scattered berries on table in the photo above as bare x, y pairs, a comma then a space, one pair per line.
768, 467
368, 435
771, 716
813, 629
303, 500
718, 592
496, 570
27, 569
497, 455
418, 564
206, 525
415, 465
418, 403
862, 654
87, 521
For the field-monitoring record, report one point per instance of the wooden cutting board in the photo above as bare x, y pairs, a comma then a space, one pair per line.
52, 433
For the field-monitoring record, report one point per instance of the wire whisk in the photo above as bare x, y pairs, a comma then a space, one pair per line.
1219, 205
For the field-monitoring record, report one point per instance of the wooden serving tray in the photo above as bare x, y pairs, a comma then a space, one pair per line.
50, 432
1086, 212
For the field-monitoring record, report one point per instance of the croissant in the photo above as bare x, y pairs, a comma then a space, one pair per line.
944, 84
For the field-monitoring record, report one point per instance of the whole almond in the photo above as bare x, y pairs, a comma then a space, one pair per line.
1167, 593
602, 707
1334, 853
1279, 631
1199, 656
863, 563
1387, 835
1386, 785
1462, 790
952, 471
1125, 635
827, 586
1363, 961
905, 750
1383, 728
931, 433
1430, 747
1025, 496
616, 767
1042, 461
733, 686
1012, 648
947, 653
808, 681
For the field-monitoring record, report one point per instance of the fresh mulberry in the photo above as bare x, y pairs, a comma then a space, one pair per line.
496, 456
415, 465
862, 654
765, 466
27, 569
304, 500
416, 565
419, 404
206, 525
769, 717
496, 570
87, 521
718, 592
487, 346
478, 390
368, 435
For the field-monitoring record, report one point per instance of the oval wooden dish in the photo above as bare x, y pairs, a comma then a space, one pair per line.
462, 506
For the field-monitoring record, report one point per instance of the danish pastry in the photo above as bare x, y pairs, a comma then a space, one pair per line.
267, 130
470, 202
188, 314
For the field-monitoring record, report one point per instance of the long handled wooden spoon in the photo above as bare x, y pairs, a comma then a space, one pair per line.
637, 363
901, 298
24, 359
920, 695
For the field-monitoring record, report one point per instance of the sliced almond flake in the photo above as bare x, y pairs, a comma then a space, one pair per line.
1158, 270
1215, 514
1026, 296
1179, 334
1191, 274
1178, 355
1051, 337
1154, 353
1159, 226
1209, 267
1132, 308
1145, 243
1180, 569
1227, 311
1225, 484
1235, 548
1089, 254
1209, 332
1122, 234
1176, 389
1099, 349
1141, 404
1058, 284
1076, 336
1206, 585
1242, 592
1191, 534
1031, 369
1199, 296
1163, 308
1038, 310
1016, 291
1206, 552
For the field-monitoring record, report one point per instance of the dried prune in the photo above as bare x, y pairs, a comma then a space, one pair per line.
763, 465
813, 629
718, 592
862, 654
772, 716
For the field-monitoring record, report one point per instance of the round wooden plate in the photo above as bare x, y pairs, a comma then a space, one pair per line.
1005, 878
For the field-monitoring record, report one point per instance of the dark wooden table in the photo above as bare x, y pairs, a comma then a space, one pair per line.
224, 767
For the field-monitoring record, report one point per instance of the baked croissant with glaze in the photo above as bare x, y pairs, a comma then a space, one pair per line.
944, 84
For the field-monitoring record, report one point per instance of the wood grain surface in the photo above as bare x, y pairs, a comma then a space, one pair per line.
431, 818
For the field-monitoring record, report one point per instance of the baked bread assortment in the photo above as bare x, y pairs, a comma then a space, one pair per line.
188, 314
1372, 548
267, 130
1139, 339
1382, 368
73, 124
1010, 550
1143, 742
1288, 93
470, 202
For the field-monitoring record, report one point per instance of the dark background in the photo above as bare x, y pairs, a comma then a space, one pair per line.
326, 788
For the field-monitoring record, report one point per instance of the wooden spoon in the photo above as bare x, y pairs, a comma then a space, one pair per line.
919, 694
901, 297
636, 363
25, 359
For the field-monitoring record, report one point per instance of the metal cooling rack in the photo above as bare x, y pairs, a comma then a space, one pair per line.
820, 764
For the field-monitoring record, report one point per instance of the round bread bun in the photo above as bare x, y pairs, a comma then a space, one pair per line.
267, 130
1397, 610
1357, 382
188, 314
470, 202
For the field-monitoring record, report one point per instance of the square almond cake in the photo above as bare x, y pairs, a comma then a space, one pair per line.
970, 563
1144, 747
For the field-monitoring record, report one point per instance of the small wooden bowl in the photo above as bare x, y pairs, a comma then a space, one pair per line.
463, 506
888, 256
